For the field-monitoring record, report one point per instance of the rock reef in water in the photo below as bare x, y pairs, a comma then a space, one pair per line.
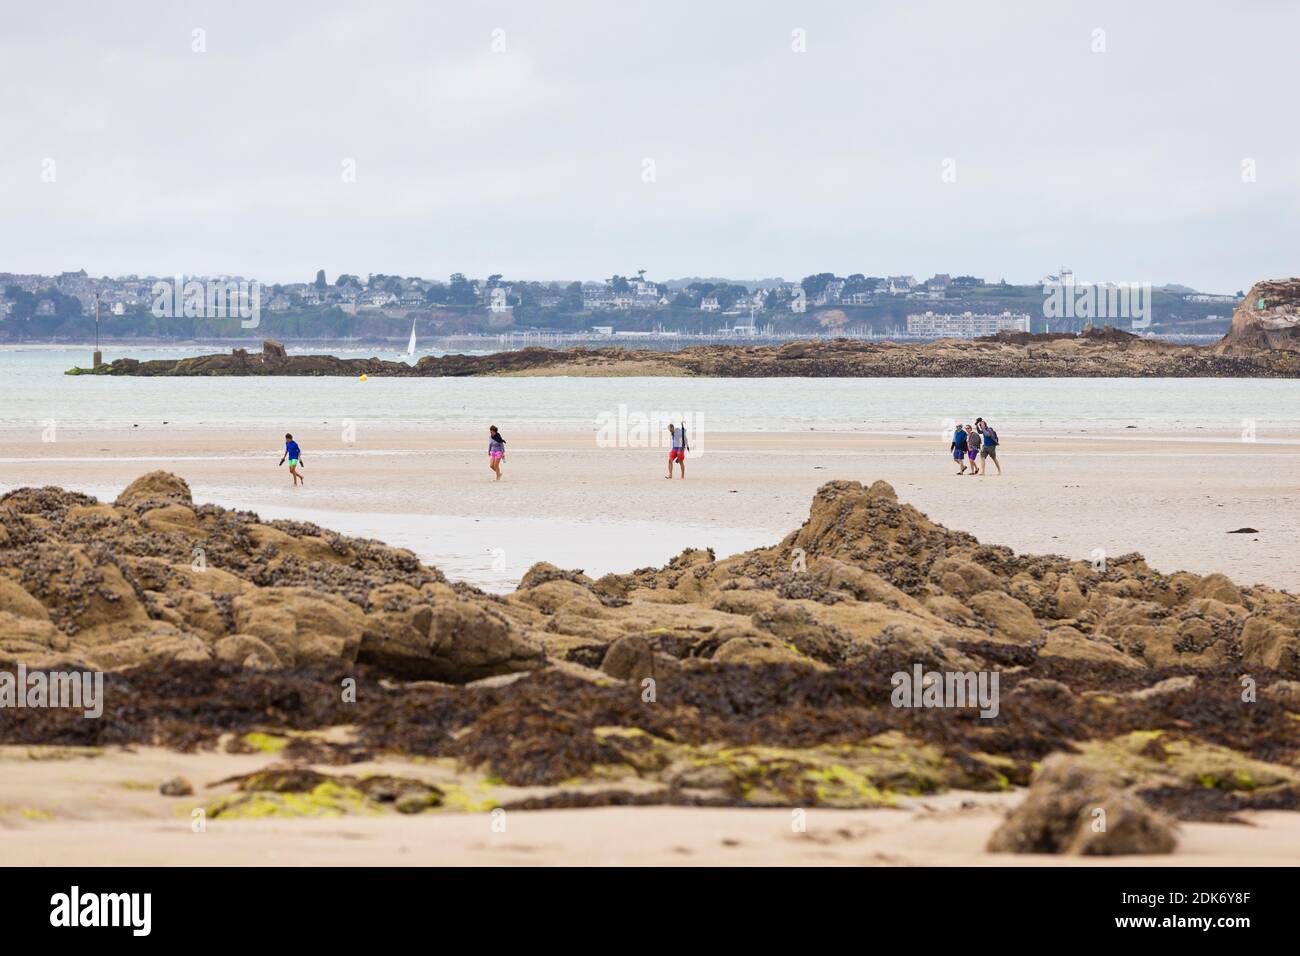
1264, 342
764, 679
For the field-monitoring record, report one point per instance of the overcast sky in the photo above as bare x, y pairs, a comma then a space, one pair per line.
531, 161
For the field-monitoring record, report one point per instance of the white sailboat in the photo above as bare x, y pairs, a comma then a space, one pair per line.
410, 346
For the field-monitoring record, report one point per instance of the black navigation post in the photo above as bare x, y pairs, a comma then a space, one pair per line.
98, 358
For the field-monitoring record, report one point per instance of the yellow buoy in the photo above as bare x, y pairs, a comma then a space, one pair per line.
364, 377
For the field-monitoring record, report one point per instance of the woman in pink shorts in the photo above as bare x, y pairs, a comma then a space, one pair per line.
496, 450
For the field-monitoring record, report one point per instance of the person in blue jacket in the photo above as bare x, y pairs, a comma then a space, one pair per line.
958, 448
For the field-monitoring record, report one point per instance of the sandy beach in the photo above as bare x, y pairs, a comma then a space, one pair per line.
1173, 498
104, 809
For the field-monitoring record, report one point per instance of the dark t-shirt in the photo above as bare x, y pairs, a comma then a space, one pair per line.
291, 449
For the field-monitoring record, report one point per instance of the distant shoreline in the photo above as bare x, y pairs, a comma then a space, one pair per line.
1094, 353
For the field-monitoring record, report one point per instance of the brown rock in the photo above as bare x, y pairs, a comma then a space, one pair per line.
629, 658
300, 625
964, 578
34, 642
1266, 643
1268, 318
454, 642
1009, 617
159, 486
1073, 644
16, 601
1071, 809
1219, 587
1069, 599
176, 787
248, 651
759, 651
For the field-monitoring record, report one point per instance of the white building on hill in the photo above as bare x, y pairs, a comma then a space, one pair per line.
967, 325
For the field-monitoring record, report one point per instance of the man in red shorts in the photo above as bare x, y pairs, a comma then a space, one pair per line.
679, 449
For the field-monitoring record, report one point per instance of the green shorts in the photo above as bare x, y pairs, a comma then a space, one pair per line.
293, 462
989, 451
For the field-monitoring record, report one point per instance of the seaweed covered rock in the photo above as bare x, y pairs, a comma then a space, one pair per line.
772, 668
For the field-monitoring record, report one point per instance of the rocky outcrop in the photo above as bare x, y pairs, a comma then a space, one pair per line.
1268, 318
154, 579
157, 486
1261, 345
154, 576
766, 678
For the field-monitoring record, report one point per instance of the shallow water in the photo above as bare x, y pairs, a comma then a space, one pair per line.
34, 390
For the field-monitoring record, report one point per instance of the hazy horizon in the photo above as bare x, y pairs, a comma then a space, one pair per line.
515, 140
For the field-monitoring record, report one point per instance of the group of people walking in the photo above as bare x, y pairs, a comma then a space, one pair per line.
973, 447
972, 442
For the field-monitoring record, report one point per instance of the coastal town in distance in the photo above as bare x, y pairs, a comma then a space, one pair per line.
633, 310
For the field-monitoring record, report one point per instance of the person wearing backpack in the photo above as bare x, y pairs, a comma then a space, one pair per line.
677, 436
989, 447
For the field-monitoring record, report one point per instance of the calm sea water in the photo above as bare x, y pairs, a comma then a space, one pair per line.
33, 390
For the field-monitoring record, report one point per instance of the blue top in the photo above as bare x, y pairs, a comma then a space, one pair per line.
678, 435
291, 449
990, 436
959, 439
